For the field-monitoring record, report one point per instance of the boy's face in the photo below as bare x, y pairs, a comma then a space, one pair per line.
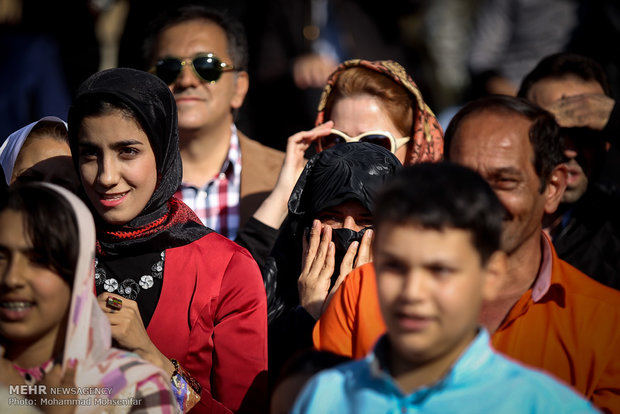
431, 285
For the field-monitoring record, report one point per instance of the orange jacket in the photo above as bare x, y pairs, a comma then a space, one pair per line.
572, 332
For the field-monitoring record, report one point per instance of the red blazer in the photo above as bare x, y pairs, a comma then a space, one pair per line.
212, 318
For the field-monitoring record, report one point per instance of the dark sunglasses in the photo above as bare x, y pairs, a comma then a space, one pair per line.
207, 67
381, 138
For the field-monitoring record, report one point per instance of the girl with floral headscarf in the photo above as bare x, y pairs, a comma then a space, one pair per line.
52, 332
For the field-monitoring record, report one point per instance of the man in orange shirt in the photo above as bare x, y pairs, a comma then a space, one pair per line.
549, 314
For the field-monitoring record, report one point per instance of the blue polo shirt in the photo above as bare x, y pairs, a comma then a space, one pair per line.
481, 381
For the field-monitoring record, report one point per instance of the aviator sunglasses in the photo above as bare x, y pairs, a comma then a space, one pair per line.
207, 67
381, 138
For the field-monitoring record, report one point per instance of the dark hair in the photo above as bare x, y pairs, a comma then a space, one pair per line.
50, 224
235, 32
562, 65
52, 129
443, 195
544, 133
96, 105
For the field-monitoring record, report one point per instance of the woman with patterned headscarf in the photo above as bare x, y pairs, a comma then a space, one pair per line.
376, 102
379, 102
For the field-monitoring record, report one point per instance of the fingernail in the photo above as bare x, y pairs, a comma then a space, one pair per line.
355, 244
72, 362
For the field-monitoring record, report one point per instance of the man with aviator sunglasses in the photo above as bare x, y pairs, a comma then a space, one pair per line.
202, 55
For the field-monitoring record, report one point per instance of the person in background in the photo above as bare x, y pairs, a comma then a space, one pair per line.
507, 40
52, 331
379, 102
39, 152
201, 54
327, 233
437, 260
585, 228
374, 102
159, 270
297, 45
516, 146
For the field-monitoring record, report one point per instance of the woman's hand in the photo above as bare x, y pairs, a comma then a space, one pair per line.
129, 332
350, 262
318, 262
56, 379
273, 210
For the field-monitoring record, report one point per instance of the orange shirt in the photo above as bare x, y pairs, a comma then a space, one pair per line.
567, 324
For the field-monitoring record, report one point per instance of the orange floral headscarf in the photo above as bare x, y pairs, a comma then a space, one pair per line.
427, 139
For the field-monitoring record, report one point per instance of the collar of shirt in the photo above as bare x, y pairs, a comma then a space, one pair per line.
231, 168
543, 279
466, 368
217, 202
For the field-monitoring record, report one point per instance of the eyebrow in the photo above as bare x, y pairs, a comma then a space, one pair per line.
22, 249
497, 172
116, 145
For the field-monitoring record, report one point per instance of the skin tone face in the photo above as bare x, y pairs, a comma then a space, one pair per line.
202, 105
117, 166
34, 300
362, 113
349, 215
46, 159
498, 148
431, 285
545, 93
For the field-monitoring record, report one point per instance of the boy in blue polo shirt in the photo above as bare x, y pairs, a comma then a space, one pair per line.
437, 258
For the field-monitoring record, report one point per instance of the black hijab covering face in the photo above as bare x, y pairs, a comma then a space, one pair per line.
352, 171
154, 105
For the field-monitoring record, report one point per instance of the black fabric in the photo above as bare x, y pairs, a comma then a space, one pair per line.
258, 238
294, 333
610, 170
128, 271
354, 171
164, 222
590, 240
342, 239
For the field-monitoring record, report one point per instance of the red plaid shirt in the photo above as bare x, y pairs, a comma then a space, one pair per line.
217, 202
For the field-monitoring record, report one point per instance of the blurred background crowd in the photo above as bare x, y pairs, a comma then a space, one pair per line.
456, 50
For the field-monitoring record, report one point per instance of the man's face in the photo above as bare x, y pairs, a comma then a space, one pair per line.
497, 146
431, 285
545, 93
201, 105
